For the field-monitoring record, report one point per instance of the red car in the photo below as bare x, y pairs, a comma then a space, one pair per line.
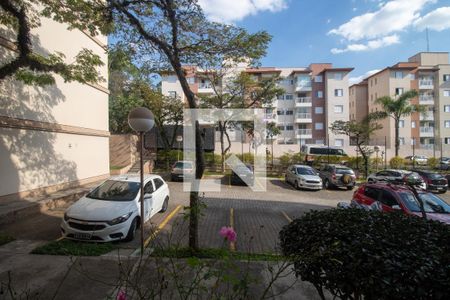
390, 197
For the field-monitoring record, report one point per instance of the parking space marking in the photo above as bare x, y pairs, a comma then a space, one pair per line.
161, 225
232, 244
286, 216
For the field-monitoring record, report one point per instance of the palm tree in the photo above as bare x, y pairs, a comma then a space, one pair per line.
397, 108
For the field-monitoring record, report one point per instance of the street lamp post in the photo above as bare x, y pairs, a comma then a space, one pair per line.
377, 149
179, 140
141, 120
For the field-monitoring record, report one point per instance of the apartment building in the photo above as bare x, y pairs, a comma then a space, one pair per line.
56, 136
314, 98
429, 74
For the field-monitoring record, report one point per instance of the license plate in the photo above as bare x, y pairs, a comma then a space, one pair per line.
83, 236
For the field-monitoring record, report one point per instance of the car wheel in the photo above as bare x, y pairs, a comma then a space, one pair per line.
326, 184
297, 186
132, 231
165, 205
286, 179
350, 188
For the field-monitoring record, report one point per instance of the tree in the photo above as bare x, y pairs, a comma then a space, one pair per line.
398, 108
165, 34
272, 131
360, 133
19, 17
237, 91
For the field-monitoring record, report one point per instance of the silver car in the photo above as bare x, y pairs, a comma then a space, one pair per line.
301, 176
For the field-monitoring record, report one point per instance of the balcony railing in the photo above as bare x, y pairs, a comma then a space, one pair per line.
425, 83
303, 100
426, 129
423, 99
304, 132
426, 117
270, 116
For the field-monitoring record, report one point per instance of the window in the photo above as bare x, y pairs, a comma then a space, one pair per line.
388, 199
339, 109
376, 80
402, 140
288, 97
447, 124
318, 110
447, 140
318, 78
413, 124
191, 80
281, 127
158, 183
446, 108
289, 127
398, 91
398, 74
446, 77
319, 126
339, 142
339, 92
371, 192
289, 112
280, 97
172, 94
148, 188
280, 112
401, 123
447, 93
319, 94
338, 76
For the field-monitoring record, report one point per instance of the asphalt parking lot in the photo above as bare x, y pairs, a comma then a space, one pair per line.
257, 217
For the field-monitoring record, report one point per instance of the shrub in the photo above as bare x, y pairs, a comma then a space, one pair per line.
397, 162
369, 254
433, 162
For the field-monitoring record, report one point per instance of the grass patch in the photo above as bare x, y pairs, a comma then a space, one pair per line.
5, 239
74, 248
115, 167
215, 254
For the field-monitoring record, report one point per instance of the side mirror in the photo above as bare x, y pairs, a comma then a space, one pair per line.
396, 207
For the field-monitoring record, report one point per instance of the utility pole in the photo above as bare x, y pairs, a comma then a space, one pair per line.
428, 41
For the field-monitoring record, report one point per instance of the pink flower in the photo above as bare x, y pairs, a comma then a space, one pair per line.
121, 295
228, 233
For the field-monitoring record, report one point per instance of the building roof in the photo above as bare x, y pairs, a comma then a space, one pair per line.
262, 70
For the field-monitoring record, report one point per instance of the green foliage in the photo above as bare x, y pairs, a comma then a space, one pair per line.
358, 254
73, 248
355, 162
291, 158
5, 238
397, 162
433, 162
328, 159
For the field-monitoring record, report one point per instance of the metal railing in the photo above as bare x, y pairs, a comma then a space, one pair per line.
303, 100
427, 129
303, 116
304, 131
426, 98
425, 82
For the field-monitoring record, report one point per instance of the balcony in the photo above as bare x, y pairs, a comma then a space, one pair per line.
270, 117
205, 89
427, 117
303, 118
426, 84
303, 86
426, 131
426, 100
303, 102
303, 133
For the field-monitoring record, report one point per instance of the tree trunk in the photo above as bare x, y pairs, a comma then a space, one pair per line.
222, 147
366, 161
397, 134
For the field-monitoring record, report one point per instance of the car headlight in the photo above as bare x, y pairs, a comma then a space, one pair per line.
120, 219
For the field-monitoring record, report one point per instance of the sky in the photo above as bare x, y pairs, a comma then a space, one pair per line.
367, 35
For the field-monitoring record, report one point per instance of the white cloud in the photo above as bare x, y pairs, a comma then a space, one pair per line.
353, 80
438, 20
227, 11
370, 45
392, 16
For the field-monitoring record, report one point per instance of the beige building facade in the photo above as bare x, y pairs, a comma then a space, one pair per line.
55, 136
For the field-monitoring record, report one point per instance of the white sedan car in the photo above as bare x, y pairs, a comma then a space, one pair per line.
111, 211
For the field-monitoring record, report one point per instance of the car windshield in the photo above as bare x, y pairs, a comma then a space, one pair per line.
113, 190
344, 171
306, 171
183, 165
435, 176
431, 202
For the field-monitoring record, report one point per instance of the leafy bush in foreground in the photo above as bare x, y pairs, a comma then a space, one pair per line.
372, 255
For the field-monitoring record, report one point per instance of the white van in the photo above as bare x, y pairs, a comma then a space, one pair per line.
319, 150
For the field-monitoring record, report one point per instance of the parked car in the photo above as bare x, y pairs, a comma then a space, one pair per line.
111, 211
434, 182
182, 169
418, 159
243, 175
337, 176
444, 163
392, 197
389, 175
310, 151
302, 176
